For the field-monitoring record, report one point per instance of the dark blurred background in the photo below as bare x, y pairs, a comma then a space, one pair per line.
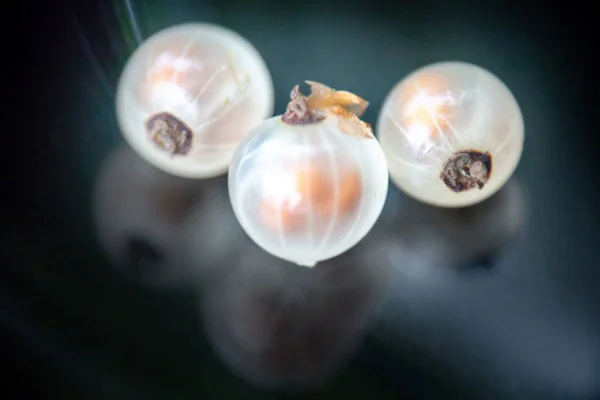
498, 301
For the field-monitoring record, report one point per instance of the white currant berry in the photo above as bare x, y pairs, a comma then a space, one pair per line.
308, 185
452, 134
189, 94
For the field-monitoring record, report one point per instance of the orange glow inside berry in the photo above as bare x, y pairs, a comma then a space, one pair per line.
425, 102
313, 192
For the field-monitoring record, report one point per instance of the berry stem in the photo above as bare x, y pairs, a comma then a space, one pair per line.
298, 111
324, 101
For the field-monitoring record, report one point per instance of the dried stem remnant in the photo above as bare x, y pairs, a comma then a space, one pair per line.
324, 101
466, 170
169, 133
298, 112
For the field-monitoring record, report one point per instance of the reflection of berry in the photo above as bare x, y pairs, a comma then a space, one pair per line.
142, 225
141, 257
284, 327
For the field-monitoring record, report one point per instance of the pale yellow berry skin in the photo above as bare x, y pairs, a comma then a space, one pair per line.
445, 108
307, 193
209, 78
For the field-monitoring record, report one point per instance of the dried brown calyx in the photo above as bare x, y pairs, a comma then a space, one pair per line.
467, 170
324, 101
169, 133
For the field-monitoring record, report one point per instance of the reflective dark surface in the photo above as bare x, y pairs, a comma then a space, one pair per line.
120, 281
